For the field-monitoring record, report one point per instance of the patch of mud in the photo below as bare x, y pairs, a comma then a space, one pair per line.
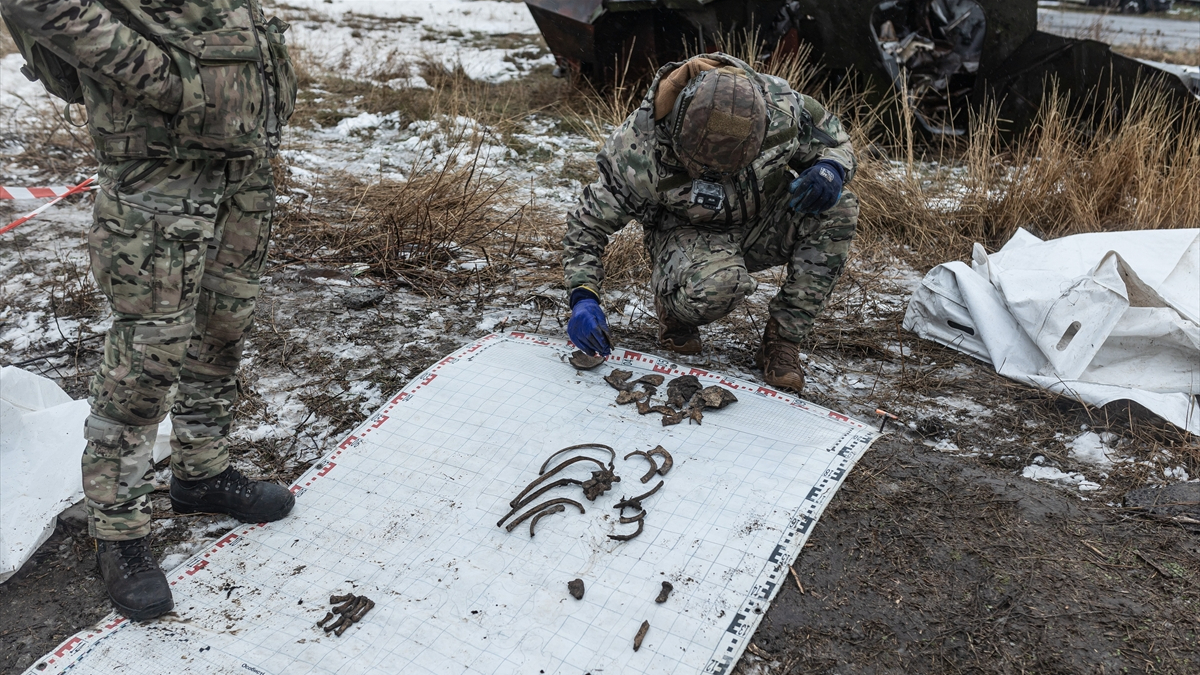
923, 563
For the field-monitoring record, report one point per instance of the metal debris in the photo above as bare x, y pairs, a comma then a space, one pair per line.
641, 635
575, 588
665, 592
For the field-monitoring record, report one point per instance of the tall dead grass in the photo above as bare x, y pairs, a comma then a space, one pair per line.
445, 218
1061, 177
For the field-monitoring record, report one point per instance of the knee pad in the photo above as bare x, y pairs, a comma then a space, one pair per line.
711, 293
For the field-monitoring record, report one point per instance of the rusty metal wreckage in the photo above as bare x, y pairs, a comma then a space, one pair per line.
600, 482
950, 57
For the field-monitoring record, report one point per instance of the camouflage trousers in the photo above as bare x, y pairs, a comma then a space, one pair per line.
701, 275
178, 248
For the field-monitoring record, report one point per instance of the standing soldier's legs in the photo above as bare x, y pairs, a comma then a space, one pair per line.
208, 387
202, 479
815, 249
698, 277
153, 221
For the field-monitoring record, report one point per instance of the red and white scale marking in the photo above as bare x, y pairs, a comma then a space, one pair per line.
717, 641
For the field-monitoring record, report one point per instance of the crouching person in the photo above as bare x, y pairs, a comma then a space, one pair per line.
185, 101
729, 172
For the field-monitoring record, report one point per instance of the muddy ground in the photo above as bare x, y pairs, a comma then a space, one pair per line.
921, 564
935, 556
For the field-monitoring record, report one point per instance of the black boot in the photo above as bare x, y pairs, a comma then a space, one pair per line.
133, 580
250, 501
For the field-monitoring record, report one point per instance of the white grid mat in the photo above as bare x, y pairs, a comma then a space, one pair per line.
405, 510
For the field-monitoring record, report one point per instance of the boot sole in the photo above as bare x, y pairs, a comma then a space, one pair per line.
280, 514
690, 351
145, 613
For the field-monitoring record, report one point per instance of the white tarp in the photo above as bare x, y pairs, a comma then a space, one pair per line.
41, 441
1098, 317
404, 511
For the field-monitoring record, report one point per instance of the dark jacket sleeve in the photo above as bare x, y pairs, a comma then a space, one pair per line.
88, 36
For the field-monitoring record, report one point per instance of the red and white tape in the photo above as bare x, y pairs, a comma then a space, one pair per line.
58, 197
34, 192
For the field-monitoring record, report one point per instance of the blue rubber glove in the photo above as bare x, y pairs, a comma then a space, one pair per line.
818, 188
588, 328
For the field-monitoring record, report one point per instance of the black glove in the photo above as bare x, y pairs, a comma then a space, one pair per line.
818, 188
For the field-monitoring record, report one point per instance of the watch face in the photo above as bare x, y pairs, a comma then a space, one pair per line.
708, 195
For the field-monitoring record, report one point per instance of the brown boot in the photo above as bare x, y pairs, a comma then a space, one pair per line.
675, 335
779, 360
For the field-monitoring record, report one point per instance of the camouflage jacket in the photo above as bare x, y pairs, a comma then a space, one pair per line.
642, 179
185, 79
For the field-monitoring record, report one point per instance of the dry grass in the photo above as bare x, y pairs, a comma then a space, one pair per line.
445, 221
1061, 177
1153, 52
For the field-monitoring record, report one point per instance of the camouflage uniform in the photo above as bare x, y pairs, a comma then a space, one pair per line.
703, 258
186, 99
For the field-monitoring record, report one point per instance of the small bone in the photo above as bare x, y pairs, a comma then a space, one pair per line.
584, 361
362, 611
542, 506
636, 502
626, 397
541, 491
328, 616
575, 588
653, 464
625, 520
641, 635
618, 379
626, 537
665, 592
546, 475
558, 508
717, 397
612, 454
667, 463
337, 599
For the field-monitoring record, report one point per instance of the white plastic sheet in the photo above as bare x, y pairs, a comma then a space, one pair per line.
1098, 317
41, 441
404, 511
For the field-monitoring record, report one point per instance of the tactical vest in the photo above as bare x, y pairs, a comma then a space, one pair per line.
239, 85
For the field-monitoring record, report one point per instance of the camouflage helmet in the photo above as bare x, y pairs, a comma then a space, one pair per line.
718, 122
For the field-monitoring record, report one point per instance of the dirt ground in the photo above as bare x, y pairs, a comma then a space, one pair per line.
922, 563
935, 556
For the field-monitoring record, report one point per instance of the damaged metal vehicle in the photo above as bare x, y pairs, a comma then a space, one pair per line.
949, 56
